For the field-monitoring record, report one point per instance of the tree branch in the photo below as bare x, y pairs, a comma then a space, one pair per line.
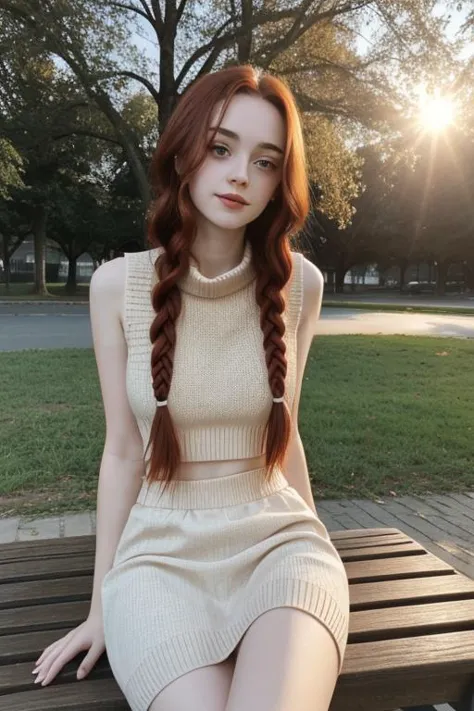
130, 8
213, 44
155, 5
132, 75
85, 132
180, 9
307, 103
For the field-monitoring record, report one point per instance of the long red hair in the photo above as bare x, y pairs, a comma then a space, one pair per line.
171, 225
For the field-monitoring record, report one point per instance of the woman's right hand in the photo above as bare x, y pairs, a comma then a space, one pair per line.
87, 636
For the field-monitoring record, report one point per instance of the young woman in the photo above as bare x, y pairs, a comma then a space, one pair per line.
216, 585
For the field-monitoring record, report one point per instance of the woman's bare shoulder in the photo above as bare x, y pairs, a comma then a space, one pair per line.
107, 285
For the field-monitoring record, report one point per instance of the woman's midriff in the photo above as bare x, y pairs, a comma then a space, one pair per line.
213, 469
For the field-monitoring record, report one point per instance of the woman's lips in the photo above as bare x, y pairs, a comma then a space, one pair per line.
231, 203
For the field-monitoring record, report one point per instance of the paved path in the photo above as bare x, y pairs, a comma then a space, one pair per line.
444, 524
24, 326
335, 321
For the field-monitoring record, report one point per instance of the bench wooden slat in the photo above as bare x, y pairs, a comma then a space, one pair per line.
452, 650
52, 567
361, 533
29, 550
35, 592
101, 694
22, 647
391, 622
18, 677
59, 614
420, 590
402, 567
375, 692
372, 541
392, 551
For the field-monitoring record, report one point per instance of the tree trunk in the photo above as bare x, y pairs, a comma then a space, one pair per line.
330, 280
402, 265
39, 232
6, 267
71, 283
6, 263
341, 272
469, 275
441, 275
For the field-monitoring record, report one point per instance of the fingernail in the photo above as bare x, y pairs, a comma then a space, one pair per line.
37, 680
35, 671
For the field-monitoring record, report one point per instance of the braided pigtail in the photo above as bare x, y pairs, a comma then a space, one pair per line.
166, 301
272, 304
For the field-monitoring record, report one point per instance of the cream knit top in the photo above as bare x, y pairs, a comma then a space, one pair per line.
219, 397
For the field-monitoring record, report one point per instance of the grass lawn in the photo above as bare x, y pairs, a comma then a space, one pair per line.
22, 291
398, 307
377, 415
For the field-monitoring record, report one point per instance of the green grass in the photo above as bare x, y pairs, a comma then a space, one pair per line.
398, 307
23, 291
377, 415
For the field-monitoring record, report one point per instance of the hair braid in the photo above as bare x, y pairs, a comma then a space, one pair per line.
278, 426
166, 301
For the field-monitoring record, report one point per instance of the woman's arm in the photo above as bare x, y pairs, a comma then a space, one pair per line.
122, 466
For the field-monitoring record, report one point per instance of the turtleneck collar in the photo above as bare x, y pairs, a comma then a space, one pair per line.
211, 287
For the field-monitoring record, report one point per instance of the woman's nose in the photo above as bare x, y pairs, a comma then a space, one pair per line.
239, 172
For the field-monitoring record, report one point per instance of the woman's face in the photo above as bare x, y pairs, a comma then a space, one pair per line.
243, 163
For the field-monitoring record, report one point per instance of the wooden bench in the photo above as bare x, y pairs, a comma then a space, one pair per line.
411, 636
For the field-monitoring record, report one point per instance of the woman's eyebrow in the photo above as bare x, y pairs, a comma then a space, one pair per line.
231, 134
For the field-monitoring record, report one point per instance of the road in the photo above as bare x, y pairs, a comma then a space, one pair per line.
24, 326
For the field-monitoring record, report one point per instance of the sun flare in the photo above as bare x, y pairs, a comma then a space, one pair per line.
436, 112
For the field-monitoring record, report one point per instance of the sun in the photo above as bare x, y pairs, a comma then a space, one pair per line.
436, 112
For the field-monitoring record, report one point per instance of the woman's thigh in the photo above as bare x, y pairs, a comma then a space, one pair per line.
203, 689
286, 660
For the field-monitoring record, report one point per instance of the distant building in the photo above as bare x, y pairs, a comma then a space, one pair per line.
22, 263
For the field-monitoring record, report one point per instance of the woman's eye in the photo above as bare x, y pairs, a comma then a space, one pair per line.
216, 146
271, 165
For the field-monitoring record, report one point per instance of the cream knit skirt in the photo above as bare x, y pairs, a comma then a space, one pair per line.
197, 564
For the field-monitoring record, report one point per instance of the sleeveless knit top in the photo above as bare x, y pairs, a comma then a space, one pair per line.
219, 397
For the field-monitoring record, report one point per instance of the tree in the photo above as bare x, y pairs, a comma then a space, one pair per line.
11, 168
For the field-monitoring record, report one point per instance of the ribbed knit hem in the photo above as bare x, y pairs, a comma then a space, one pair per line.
221, 442
174, 657
215, 492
